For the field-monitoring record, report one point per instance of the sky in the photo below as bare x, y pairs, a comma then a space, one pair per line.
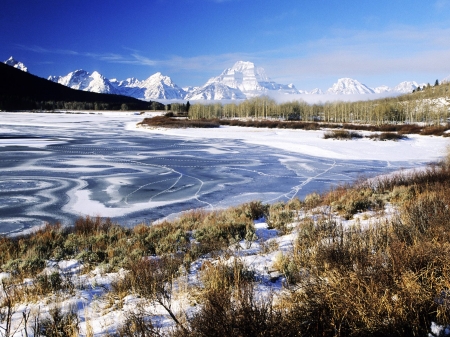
308, 43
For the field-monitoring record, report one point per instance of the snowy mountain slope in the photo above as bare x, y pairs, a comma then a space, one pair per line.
159, 86
405, 87
245, 77
156, 86
382, 89
315, 91
215, 91
349, 86
16, 64
190, 89
243, 80
83, 80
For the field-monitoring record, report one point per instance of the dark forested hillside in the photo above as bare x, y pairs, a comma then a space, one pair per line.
23, 91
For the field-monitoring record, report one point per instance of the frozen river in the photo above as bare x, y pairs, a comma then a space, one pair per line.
57, 167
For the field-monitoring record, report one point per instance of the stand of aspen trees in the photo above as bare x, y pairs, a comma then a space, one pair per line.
430, 105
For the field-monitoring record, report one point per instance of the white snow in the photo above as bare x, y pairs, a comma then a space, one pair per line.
83, 80
406, 87
104, 314
156, 86
16, 64
243, 80
415, 148
349, 86
247, 79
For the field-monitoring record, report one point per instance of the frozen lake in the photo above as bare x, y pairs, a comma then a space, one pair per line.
57, 167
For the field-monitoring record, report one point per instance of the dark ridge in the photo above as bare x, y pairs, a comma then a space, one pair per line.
24, 91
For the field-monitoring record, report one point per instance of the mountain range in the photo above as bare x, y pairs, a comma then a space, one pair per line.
20, 90
243, 80
16, 64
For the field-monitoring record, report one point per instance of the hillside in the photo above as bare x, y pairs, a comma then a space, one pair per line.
22, 91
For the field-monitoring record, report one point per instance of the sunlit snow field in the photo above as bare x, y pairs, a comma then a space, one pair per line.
57, 167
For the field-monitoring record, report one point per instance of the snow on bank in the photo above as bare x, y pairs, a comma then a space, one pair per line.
416, 148
104, 313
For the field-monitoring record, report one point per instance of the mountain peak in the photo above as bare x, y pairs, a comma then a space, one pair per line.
406, 87
82, 80
250, 80
241, 65
16, 64
349, 86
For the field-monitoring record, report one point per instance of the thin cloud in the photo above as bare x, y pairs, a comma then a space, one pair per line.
441, 4
144, 60
364, 53
344, 53
35, 49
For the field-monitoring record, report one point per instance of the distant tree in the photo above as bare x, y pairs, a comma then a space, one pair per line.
155, 105
436, 83
124, 107
188, 106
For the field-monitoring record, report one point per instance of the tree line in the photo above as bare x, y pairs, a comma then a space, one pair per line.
428, 105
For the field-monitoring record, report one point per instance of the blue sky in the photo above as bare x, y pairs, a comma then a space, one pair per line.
308, 43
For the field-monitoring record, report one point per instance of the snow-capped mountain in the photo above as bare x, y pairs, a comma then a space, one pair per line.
349, 86
247, 80
315, 91
405, 87
156, 86
83, 80
215, 91
382, 89
243, 80
346, 86
16, 64
189, 89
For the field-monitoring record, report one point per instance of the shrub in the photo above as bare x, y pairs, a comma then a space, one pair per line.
88, 226
351, 201
169, 122
341, 134
434, 130
219, 229
239, 314
387, 136
255, 210
223, 276
60, 324
280, 216
138, 325
312, 200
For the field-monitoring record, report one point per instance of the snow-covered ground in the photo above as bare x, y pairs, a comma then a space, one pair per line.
415, 148
101, 313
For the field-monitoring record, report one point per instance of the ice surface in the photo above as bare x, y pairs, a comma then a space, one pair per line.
56, 167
